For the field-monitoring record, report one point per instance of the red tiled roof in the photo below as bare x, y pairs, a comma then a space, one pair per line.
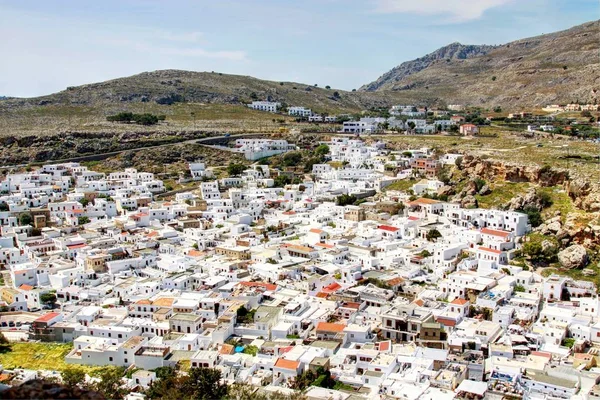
413, 218
76, 246
287, 364
332, 287
47, 317
330, 327
195, 253
489, 250
446, 321
268, 286
322, 295
388, 228
319, 231
460, 302
384, 346
495, 232
25, 287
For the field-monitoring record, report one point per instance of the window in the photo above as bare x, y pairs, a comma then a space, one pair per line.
110, 358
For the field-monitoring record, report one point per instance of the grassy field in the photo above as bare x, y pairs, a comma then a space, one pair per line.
502, 193
38, 356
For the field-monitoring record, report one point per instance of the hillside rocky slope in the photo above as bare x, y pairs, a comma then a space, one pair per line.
560, 67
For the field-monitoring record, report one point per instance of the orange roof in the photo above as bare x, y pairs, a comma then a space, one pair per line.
351, 304
330, 327
152, 234
287, 364
495, 232
423, 201
395, 281
164, 302
289, 213
297, 247
327, 246
489, 250
47, 317
226, 349
195, 253
25, 287
384, 346
332, 287
419, 302
316, 231
446, 321
322, 295
143, 302
388, 228
268, 286
460, 302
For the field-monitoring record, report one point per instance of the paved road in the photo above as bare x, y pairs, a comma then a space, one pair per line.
103, 156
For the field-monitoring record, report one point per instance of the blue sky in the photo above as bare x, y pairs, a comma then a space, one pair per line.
48, 45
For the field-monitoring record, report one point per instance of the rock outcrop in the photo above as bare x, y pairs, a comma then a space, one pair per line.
574, 256
473, 166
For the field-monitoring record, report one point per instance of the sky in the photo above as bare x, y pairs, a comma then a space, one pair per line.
47, 45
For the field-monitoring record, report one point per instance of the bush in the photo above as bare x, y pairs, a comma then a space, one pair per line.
234, 169
140, 119
533, 214
433, 235
291, 159
345, 199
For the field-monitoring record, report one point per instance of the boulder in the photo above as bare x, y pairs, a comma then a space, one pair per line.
485, 190
574, 256
446, 190
468, 202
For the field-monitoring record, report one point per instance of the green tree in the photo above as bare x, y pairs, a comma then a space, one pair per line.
83, 220
322, 149
110, 382
234, 169
533, 214
48, 298
204, 384
25, 219
292, 158
3, 340
73, 376
519, 288
345, 199
282, 180
4, 206
433, 235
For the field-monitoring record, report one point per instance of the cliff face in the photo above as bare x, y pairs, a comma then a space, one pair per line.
496, 170
454, 51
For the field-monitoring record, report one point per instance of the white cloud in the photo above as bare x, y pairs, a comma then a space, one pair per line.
454, 10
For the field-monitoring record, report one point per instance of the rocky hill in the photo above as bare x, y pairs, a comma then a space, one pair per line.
454, 51
167, 87
559, 67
